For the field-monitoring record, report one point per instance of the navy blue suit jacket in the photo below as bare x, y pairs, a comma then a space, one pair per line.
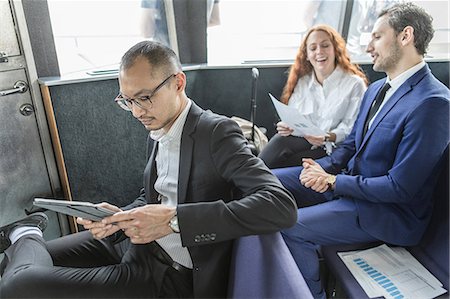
390, 172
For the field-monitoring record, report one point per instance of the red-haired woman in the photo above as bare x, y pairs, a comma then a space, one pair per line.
326, 88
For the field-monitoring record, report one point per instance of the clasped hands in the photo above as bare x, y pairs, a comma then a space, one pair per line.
142, 225
313, 176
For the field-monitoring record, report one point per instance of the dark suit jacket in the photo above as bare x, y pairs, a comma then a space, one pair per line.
391, 171
215, 163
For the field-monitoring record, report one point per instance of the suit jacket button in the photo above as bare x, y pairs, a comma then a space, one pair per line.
213, 237
197, 239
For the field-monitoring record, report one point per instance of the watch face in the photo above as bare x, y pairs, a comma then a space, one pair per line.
173, 223
331, 179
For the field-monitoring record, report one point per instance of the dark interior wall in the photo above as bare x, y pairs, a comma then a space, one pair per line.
104, 147
228, 91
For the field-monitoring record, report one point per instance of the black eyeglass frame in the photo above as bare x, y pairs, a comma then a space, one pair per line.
143, 102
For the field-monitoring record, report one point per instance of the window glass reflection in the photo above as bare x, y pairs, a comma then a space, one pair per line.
365, 13
95, 34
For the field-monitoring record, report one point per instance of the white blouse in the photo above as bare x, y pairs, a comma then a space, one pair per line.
333, 106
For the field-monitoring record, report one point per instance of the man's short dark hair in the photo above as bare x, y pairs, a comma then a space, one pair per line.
401, 15
160, 57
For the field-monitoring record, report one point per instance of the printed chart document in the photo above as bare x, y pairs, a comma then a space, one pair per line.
81, 209
391, 273
298, 122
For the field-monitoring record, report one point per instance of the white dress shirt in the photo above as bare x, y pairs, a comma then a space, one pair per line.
167, 165
332, 106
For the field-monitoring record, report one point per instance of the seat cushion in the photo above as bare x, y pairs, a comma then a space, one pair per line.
263, 267
340, 271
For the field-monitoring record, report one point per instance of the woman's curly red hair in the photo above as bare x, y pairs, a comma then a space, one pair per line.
302, 66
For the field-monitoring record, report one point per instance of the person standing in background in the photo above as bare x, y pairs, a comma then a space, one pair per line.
153, 20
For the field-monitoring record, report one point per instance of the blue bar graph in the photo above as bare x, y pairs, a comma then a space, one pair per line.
379, 278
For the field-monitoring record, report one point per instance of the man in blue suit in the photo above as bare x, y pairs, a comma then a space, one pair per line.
377, 185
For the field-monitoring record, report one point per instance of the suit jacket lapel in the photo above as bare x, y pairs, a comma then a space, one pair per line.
186, 151
152, 175
365, 111
406, 87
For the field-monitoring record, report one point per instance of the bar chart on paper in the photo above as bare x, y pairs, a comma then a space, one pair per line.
379, 279
391, 273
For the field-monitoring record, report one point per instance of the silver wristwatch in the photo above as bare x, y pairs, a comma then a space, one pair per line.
173, 224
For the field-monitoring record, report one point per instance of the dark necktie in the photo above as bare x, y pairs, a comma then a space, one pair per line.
376, 105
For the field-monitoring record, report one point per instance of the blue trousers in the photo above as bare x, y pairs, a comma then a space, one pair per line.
322, 220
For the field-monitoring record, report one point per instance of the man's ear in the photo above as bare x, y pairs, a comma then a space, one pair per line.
181, 81
407, 35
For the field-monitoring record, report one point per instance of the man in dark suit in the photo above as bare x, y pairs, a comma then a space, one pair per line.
377, 185
202, 189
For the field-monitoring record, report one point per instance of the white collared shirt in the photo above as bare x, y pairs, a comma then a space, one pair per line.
167, 166
332, 106
395, 84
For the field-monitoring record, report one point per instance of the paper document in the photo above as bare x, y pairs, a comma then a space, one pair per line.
391, 273
298, 122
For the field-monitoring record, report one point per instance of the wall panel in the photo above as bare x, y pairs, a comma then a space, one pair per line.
103, 147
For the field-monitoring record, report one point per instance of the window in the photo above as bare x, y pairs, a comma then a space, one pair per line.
440, 44
272, 30
364, 15
266, 30
95, 34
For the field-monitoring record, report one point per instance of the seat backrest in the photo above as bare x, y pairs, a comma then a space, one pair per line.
433, 249
263, 267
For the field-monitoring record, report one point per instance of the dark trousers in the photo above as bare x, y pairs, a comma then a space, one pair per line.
288, 151
78, 266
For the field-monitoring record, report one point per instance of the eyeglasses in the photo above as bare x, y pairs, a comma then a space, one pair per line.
144, 102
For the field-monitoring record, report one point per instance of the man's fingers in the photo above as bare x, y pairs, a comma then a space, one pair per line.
132, 232
308, 161
109, 207
83, 221
118, 218
309, 182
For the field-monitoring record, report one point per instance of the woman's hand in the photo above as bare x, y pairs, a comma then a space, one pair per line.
315, 140
283, 129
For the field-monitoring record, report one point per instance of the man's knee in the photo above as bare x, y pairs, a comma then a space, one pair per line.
293, 235
305, 230
289, 176
21, 283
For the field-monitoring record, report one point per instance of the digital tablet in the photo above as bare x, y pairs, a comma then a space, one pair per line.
86, 210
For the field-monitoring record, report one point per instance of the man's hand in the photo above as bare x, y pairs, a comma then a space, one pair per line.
283, 129
313, 176
143, 224
100, 230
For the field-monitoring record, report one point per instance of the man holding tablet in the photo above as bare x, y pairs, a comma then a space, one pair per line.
203, 188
